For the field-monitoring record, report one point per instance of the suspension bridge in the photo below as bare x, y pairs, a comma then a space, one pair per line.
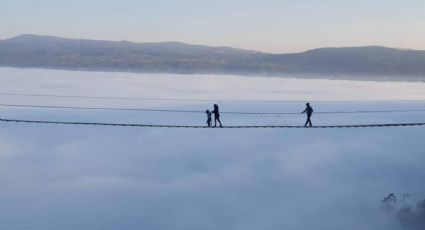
271, 124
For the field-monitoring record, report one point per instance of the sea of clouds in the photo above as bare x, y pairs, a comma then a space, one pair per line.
71, 177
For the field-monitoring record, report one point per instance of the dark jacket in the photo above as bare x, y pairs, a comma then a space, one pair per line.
308, 110
215, 111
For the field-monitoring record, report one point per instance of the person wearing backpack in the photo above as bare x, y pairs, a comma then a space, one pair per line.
309, 111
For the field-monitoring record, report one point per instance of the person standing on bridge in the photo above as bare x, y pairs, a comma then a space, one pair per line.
216, 116
309, 111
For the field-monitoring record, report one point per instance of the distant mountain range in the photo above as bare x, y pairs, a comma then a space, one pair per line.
372, 62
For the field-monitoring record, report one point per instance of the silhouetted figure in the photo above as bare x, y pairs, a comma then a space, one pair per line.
216, 116
208, 118
309, 111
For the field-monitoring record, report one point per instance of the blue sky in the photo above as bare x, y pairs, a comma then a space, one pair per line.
271, 25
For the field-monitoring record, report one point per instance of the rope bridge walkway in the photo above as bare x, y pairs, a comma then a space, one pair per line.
205, 127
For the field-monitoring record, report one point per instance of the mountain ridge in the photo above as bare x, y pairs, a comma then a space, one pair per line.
36, 51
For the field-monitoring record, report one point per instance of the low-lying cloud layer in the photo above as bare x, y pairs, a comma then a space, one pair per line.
66, 177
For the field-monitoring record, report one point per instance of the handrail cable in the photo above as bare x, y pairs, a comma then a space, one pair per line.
197, 111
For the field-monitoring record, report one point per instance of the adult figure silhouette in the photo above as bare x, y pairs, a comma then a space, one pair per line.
309, 111
216, 113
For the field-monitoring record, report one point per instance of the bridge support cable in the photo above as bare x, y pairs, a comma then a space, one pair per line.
77, 123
